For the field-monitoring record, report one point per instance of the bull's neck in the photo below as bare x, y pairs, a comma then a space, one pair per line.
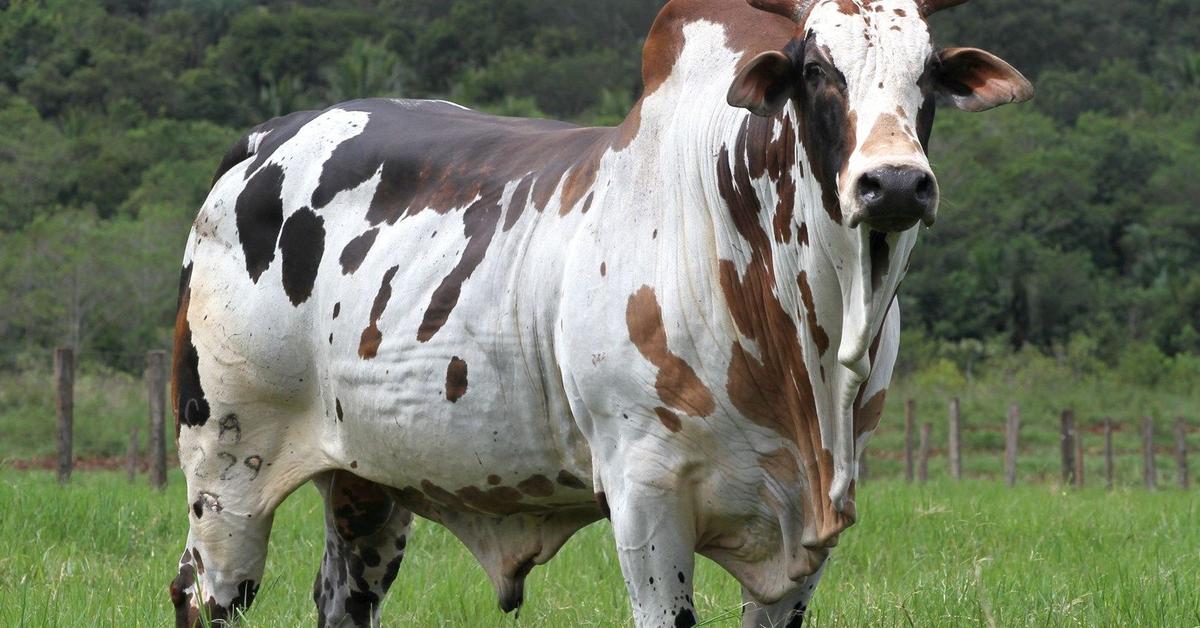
783, 289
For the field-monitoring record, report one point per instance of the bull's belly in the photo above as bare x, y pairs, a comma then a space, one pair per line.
417, 422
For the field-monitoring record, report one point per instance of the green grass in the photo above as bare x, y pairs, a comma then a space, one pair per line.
101, 552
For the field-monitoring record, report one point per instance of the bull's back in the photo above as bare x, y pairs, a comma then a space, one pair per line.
385, 271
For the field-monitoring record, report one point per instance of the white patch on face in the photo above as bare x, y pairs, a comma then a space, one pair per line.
882, 51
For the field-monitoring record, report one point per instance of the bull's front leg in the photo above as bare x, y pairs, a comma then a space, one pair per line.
655, 533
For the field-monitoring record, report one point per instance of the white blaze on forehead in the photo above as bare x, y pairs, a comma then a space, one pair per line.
885, 41
881, 49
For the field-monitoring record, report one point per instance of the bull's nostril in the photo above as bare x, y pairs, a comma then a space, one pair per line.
869, 188
924, 187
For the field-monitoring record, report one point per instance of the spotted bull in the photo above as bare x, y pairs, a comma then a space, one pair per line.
686, 323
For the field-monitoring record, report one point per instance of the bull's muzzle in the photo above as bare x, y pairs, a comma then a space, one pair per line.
894, 198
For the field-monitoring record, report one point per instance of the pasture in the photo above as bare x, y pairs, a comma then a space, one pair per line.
101, 552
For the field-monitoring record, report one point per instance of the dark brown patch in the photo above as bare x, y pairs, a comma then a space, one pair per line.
848, 7
867, 415
669, 419
516, 205
677, 384
803, 239
810, 305
337, 408
536, 486
879, 258
360, 507
302, 245
567, 479
499, 500
775, 390
827, 129
356, 251
493, 479
456, 379
188, 400
479, 225
259, 217
368, 346
337, 309
603, 269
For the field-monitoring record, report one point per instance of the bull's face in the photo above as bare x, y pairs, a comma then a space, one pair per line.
865, 79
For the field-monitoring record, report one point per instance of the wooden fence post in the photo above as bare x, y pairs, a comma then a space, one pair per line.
1149, 469
1181, 453
923, 454
64, 381
131, 455
955, 441
1108, 453
1011, 442
910, 411
1068, 447
156, 368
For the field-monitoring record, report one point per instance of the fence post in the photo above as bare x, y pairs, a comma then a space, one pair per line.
64, 381
923, 454
1068, 447
1011, 442
1181, 452
1149, 469
955, 441
156, 366
1108, 453
910, 411
131, 455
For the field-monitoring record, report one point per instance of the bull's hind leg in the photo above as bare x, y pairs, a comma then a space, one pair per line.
234, 483
365, 536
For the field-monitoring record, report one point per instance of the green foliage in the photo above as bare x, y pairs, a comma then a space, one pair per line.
1068, 220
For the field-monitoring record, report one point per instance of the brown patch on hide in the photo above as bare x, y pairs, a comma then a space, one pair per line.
775, 391
536, 486
669, 419
368, 345
867, 415
569, 480
360, 507
747, 29
456, 379
676, 383
810, 306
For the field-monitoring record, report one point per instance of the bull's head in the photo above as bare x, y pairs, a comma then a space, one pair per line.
865, 79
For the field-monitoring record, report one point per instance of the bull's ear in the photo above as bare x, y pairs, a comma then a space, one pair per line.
764, 85
976, 80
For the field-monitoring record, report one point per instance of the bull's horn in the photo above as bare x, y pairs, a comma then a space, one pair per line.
929, 7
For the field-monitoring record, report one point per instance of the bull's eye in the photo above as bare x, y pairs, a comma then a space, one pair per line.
814, 73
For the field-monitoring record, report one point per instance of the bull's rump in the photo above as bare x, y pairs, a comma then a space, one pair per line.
386, 274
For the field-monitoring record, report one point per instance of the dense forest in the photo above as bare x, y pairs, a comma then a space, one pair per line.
1069, 227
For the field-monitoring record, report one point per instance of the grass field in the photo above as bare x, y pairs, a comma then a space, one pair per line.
100, 552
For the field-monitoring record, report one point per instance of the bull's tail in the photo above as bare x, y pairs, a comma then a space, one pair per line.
184, 375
